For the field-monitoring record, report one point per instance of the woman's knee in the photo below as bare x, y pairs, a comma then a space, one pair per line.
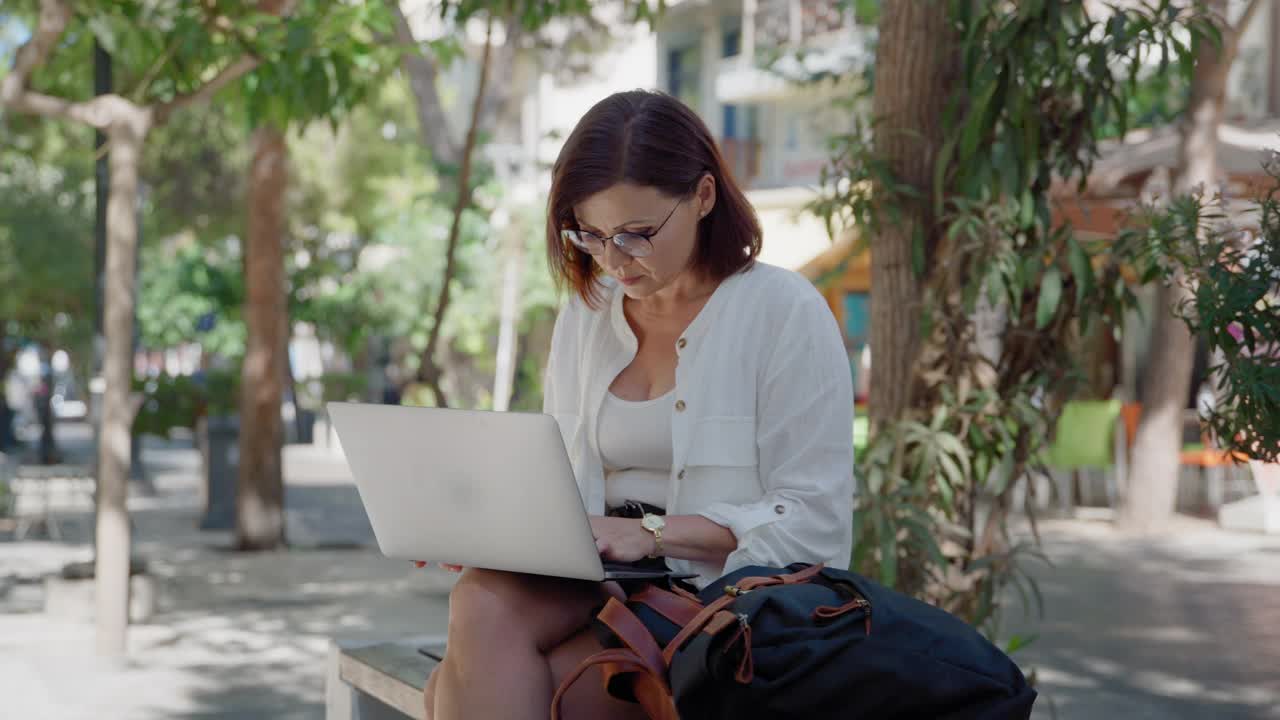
480, 601
542, 611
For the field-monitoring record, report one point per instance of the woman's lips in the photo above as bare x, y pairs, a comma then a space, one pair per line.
630, 281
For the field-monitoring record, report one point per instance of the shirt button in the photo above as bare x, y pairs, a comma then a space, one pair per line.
680, 475
779, 509
679, 406
681, 343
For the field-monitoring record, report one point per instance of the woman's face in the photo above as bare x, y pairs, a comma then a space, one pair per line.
640, 209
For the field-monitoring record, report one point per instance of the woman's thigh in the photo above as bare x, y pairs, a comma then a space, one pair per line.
543, 610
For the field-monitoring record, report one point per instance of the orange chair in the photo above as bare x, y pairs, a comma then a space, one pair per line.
1130, 414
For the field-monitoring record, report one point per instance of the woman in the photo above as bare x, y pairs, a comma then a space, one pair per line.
687, 379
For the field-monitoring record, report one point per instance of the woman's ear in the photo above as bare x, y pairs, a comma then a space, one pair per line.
706, 195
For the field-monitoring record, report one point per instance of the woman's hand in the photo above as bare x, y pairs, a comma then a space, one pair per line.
622, 539
447, 566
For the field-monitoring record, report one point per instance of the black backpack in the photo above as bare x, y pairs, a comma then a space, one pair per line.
802, 642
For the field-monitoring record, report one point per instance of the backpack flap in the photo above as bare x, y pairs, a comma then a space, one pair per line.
772, 652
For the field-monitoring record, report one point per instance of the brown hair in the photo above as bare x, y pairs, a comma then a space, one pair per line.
650, 139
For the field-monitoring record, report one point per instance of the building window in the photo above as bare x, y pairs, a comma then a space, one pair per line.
731, 121
731, 38
683, 79
740, 142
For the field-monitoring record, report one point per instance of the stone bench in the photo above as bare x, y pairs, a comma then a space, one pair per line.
380, 681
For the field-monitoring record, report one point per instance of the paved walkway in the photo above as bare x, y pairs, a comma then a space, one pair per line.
1183, 627
1186, 626
237, 635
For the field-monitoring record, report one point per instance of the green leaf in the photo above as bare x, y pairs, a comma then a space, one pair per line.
1017, 642
101, 27
1026, 208
999, 480
888, 551
917, 249
1081, 268
1050, 295
976, 120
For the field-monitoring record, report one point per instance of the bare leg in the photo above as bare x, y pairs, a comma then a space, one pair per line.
502, 627
584, 700
429, 693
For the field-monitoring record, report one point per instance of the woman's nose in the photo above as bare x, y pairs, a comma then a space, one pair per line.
613, 258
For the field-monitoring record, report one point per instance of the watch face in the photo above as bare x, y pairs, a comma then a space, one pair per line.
653, 522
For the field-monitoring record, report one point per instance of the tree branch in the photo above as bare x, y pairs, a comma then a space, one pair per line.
98, 113
225, 76
1232, 34
422, 71
152, 72
52, 22
229, 74
429, 371
1245, 19
101, 111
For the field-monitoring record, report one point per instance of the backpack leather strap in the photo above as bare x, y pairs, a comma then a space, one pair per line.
650, 690
634, 635
695, 626
676, 608
703, 618
802, 576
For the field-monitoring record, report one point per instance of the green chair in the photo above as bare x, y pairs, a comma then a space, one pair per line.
861, 434
1088, 438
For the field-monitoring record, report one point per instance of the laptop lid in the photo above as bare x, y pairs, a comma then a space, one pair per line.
480, 489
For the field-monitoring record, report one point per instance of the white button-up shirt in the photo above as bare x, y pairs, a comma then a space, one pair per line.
762, 425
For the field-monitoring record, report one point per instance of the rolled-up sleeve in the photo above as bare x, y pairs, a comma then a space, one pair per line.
804, 437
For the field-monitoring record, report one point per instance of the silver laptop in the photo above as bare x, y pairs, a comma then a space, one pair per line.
479, 489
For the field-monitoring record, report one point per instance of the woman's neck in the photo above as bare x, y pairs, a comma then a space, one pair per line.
687, 292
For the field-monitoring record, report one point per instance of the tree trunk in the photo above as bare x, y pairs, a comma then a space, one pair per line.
911, 88
260, 490
1273, 43
508, 320
7, 437
111, 564
1153, 477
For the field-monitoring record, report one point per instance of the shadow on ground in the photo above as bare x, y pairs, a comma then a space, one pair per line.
1137, 629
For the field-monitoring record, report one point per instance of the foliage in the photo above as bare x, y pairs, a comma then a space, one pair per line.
1039, 85
190, 292
320, 62
193, 174
534, 14
351, 184
46, 243
168, 402
1234, 280
343, 387
316, 62
473, 326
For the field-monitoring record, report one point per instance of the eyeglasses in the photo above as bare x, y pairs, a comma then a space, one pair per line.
636, 245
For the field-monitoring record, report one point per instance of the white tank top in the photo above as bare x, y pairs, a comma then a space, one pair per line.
635, 446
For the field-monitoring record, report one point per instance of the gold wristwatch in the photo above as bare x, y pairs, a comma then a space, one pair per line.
654, 524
